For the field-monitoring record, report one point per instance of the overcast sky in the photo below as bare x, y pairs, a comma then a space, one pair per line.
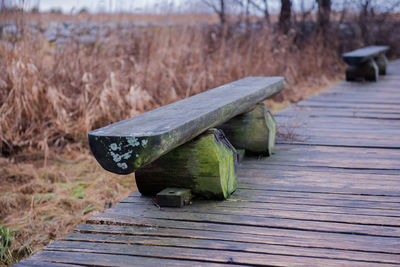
107, 5
163, 6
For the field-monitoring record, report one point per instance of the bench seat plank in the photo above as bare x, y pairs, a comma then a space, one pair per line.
125, 146
359, 56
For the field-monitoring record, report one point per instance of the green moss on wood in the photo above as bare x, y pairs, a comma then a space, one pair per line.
205, 165
253, 131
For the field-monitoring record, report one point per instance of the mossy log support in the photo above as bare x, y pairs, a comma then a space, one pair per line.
368, 70
382, 62
206, 165
366, 63
253, 131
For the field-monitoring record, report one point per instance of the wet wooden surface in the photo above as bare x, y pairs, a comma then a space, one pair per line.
329, 196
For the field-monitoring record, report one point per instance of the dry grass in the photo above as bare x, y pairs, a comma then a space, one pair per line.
44, 202
50, 100
50, 97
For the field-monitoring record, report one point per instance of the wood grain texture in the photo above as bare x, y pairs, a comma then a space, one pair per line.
329, 195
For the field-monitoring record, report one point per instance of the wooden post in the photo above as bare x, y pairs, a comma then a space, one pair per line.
382, 62
253, 131
206, 165
367, 70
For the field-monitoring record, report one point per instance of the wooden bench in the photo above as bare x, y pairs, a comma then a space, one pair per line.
182, 145
366, 63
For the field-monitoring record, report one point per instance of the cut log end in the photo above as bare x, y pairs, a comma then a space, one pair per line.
123, 155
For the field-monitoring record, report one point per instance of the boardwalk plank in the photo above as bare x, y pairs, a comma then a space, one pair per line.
297, 224
277, 237
236, 246
338, 240
282, 214
107, 259
207, 255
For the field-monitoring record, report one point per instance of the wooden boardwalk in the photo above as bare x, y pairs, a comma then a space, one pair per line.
329, 196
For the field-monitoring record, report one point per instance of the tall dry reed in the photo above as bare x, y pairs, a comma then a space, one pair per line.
51, 96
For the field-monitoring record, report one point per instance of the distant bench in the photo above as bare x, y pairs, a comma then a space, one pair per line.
182, 145
366, 63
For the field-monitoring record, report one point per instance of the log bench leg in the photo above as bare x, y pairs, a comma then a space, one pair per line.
253, 131
206, 165
382, 62
368, 71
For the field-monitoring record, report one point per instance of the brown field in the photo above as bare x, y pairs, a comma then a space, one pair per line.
50, 97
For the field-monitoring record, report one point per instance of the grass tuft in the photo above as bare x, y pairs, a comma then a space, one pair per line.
6, 239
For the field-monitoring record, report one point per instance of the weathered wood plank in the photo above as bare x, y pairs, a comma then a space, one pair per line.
352, 105
323, 208
330, 156
282, 214
338, 141
377, 199
273, 222
334, 206
322, 189
42, 263
253, 164
107, 259
263, 236
309, 113
125, 146
276, 175
206, 255
384, 243
235, 246
248, 194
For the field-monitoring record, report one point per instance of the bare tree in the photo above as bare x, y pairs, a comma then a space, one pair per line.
285, 16
245, 8
343, 12
305, 13
3, 6
219, 8
263, 8
324, 11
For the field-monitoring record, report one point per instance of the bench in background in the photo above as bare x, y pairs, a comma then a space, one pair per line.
181, 145
366, 63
